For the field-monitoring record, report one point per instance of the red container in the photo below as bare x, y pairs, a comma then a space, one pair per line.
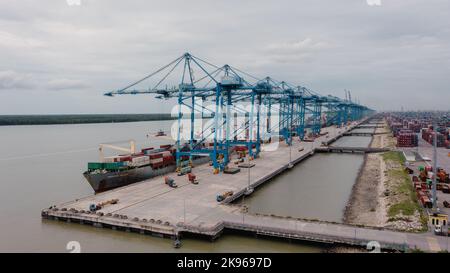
155, 156
167, 146
191, 177
168, 159
240, 148
157, 165
125, 158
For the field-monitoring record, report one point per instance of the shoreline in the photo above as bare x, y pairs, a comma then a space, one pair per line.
366, 205
376, 194
23, 120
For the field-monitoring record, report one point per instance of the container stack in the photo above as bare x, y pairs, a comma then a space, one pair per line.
422, 122
139, 161
156, 158
414, 126
439, 138
407, 138
428, 136
396, 127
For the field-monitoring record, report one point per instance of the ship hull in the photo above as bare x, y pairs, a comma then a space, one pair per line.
101, 182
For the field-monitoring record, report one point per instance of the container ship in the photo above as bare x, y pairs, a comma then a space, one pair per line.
121, 170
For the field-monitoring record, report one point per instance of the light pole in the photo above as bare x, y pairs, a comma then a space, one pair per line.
434, 164
290, 165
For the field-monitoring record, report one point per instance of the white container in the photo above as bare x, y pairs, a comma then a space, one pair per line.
139, 159
109, 159
140, 162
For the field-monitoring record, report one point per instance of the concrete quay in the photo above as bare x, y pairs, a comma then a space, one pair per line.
151, 207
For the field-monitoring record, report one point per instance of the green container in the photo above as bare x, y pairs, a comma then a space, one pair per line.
95, 165
113, 166
421, 168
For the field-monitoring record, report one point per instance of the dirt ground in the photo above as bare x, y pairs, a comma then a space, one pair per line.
367, 205
380, 186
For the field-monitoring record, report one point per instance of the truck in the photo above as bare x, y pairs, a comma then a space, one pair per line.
192, 178
441, 231
223, 196
170, 182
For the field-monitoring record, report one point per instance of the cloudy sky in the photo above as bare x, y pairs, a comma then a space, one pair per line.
61, 58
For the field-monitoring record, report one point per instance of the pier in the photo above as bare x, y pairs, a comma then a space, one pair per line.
365, 134
351, 150
151, 207
369, 127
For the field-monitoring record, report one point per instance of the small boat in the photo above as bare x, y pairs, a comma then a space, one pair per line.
160, 133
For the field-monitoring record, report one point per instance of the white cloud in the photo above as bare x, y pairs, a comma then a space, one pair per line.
11, 40
63, 84
381, 54
295, 47
294, 51
10, 79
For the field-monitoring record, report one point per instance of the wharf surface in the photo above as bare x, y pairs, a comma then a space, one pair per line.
151, 207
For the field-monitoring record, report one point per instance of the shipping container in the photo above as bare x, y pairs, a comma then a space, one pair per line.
156, 165
154, 156
113, 166
95, 165
156, 160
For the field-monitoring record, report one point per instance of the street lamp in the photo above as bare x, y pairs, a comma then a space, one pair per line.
434, 164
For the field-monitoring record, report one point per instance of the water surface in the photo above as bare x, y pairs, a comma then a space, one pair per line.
43, 165
318, 188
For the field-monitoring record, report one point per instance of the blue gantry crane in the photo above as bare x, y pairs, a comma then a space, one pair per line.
220, 107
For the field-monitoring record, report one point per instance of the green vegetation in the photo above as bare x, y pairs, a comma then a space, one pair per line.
410, 204
394, 156
405, 207
407, 203
76, 119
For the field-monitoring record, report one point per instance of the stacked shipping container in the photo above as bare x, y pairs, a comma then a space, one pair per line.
407, 138
156, 158
415, 121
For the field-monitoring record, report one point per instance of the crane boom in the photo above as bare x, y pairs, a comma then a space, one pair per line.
130, 150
